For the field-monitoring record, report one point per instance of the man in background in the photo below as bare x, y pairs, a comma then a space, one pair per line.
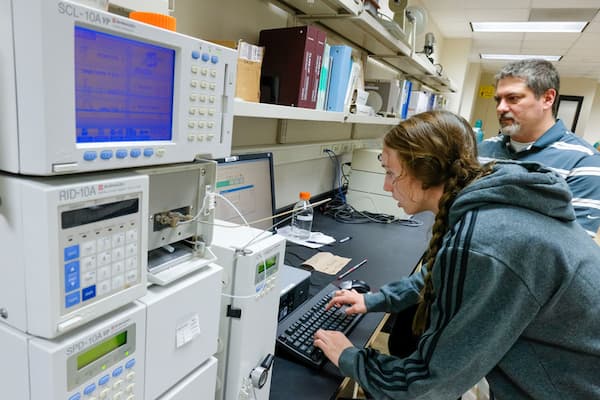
527, 102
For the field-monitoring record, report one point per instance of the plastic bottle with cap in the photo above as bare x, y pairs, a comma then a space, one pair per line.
478, 130
302, 217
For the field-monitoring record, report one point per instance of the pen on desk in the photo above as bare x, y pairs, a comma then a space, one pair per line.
357, 266
344, 239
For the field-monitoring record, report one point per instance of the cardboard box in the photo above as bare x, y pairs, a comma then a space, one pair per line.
249, 64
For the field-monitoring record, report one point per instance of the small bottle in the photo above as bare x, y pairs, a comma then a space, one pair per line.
302, 218
478, 130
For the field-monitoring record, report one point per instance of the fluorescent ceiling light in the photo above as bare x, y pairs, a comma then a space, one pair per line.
554, 26
518, 57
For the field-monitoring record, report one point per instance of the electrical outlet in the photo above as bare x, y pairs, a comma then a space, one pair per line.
336, 148
346, 148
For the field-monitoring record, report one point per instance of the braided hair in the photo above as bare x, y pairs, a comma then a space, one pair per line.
437, 148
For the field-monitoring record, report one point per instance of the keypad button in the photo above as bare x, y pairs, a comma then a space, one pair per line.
88, 278
121, 153
103, 258
71, 252
131, 276
90, 155
118, 282
71, 276
135, 153
131, 250
72, 299
118, 253
88, 293
104, 273
103, 244
103, 288
88, 247
118, 268
131, 263
88, 263
106, 154
148, 152
118, 239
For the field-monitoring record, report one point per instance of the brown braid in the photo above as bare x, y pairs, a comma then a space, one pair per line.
437, 148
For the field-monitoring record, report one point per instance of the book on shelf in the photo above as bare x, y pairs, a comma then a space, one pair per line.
288, 74
323, 78
405, 91
356, 82
341, 65
319, 50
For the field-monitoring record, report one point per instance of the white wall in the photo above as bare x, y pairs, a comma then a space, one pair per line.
456, 51
592, 127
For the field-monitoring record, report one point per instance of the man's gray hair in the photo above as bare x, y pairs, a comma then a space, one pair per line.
539, 76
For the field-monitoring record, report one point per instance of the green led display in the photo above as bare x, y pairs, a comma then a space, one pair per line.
269, 262
101, 349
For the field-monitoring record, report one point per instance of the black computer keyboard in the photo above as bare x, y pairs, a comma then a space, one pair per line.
295, 333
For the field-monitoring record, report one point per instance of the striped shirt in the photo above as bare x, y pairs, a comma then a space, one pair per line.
570, 156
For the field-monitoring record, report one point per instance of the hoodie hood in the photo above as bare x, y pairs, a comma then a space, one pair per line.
520, 184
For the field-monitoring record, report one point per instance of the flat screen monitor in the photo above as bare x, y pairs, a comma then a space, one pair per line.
246, 180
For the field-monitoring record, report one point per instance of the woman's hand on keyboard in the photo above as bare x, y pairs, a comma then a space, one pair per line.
332, 343
354, 301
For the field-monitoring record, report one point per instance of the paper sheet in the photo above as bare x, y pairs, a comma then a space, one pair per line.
316, 239
327, 263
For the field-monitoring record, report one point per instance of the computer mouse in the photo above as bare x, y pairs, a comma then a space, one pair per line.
356, 284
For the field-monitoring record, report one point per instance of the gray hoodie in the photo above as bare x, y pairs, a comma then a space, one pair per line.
517, 300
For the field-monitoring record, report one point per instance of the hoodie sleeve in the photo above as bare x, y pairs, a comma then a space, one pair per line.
481, 308
396, 296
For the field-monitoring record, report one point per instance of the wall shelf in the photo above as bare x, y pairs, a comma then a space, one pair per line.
262, 110
243, 108
369, 33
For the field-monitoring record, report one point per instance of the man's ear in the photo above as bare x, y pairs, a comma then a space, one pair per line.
549, 97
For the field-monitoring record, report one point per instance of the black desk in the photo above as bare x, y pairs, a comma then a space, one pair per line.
392, 250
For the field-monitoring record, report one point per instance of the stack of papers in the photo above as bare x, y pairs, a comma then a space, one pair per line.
316, 239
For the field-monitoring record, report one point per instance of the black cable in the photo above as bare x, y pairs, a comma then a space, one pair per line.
347, 214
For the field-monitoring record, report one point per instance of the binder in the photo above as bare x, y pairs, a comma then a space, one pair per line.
341, 65
323, 79
406, 89
319, 53
288, 69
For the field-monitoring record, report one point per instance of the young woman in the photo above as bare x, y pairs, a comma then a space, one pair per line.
510, 287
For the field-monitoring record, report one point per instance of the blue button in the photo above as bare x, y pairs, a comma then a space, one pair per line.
71, 252
121, 153
195, 54
88, 293
103, 380
89, 155
205, 57
76, 396
89, 389
130, 363
214, 59
106, 154
71, 299
135, 153
71, 276
148, 152
118, 371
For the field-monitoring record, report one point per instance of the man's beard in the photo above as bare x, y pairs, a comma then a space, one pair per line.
510, 129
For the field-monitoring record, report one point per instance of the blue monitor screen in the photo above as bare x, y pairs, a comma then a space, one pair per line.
123, 89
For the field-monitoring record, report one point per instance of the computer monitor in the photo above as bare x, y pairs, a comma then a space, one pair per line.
246, 180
